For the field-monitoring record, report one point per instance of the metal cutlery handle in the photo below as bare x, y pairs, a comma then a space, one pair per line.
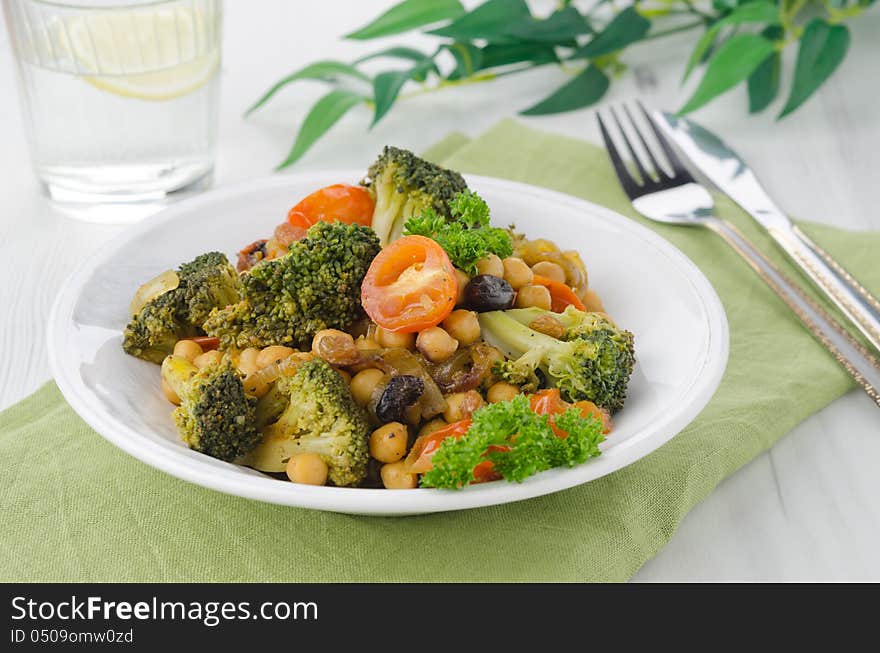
852, 356
853, 299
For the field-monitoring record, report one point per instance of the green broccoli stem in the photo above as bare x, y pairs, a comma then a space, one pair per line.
502, 330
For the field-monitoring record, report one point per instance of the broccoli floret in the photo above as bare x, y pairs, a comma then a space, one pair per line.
215, 416
208, 282
521, 372
593, 359
319, 416
316, 285
152, 333
403, 185
205, 283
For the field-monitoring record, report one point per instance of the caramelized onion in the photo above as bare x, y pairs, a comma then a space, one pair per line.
156, 286
464, 370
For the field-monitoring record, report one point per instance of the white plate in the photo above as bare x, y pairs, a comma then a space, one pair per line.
646, 284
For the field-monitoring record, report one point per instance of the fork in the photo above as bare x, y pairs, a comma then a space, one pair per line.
673, 196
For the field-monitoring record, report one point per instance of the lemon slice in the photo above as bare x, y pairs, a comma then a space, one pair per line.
152, 54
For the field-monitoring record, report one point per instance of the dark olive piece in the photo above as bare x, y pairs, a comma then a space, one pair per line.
400, 393
486, 292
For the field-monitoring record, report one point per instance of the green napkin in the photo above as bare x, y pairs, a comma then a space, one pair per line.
75, 508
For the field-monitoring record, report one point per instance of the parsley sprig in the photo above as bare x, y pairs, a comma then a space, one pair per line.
519, 442
467, 237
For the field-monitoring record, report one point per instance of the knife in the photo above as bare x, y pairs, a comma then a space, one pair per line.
724, 168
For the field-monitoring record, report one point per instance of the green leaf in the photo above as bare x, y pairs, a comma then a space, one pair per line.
625, 28
822, 48
395, 53
733, 62
560, 27
323, 115
488, 21
582, 91
468, 59
409, 54
408, 15
764, 83
387, 86
326, 71
752, 12
503, 54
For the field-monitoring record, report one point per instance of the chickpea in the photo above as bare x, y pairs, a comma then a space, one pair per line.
592, 302
517, 273
390, 339
272, 355
170, 395
461, 279
494, 355
363, 383
529, 296
345, 375
188, 349
247, 361
256, 385
501, 391
491, 264
462, 405
434, 425
335, 346
549, 270
365, 344
395, 477
307, 468
208, 358
436, 344
388, 442
463, 325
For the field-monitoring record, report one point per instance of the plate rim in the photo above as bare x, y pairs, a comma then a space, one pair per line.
380, 501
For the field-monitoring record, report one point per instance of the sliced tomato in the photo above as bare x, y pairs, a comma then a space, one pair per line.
549, 402
297, 220
561, 295
410, 286
287, 232
589, 409
343, 202
419, 459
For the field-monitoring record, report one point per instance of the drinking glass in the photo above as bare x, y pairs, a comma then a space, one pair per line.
119, 100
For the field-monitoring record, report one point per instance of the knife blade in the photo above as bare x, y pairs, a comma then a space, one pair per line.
733, 176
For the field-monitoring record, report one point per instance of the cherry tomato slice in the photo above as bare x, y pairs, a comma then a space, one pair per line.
549, 402
297, 220
410, 286
561, 295
343, 202
419, 459
287, 232
589, 409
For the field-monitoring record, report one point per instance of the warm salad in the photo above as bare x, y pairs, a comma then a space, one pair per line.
387, 335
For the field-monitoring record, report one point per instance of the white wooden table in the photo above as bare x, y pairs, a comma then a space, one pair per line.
809, 509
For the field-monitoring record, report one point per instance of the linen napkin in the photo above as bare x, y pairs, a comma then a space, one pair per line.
75, 508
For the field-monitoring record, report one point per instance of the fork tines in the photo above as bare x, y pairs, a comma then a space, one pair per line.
652, 176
